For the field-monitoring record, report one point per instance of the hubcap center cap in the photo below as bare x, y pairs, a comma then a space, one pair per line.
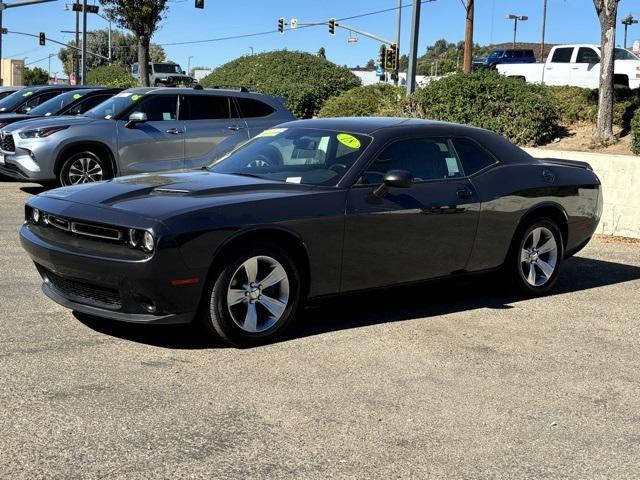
254, 293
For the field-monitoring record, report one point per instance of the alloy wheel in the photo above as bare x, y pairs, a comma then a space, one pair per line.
84, 170
539, 256
258, 294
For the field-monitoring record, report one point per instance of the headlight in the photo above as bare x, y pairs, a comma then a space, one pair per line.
35, 216
42, 132
147, 242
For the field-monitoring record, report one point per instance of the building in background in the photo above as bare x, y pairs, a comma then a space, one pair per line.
200, 73
12, 70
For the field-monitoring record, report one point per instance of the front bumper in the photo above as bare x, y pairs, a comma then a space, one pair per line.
138, 291
30, 160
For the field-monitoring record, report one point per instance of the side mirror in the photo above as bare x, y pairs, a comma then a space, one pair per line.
394, 178
183, 72
136, 118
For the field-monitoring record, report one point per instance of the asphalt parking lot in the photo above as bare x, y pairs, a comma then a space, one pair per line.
449, 380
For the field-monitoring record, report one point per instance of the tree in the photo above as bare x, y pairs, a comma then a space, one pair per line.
321, 53
35, 76
371, 64
123, 50
142, 18
607, 11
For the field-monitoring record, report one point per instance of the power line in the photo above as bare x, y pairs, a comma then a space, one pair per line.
269, 32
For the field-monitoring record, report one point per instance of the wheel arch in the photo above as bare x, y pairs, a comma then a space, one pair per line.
92, 145
289, 240
552, 210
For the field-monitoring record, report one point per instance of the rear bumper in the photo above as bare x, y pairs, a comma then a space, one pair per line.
123, 290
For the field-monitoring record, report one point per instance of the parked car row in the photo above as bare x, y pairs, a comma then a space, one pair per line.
70, 135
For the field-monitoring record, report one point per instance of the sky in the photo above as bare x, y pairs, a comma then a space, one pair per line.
568, 21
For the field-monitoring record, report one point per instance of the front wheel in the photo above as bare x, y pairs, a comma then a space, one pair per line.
83, 167
253, 298
536, 256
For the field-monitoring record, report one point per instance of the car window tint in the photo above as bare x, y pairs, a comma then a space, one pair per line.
208, 107
562, 55
87, 104
159, 108
251, 108
473, 157
587, 55
425, 158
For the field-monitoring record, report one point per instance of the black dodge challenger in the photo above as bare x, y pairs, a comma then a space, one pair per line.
309, 209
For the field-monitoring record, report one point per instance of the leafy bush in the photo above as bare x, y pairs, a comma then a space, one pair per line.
635, 133
111, 76
372, 100
522, 112
305, 80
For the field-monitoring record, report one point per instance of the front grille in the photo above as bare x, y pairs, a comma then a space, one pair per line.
85, 292
83, 229
8, 144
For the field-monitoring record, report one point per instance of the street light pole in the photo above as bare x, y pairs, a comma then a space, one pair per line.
398, 41
628, 20
189, 64
413, 47
515, 19
84, 42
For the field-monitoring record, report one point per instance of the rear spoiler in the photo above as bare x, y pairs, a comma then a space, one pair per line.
569, 163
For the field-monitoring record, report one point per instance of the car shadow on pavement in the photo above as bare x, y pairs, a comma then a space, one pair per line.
421, 301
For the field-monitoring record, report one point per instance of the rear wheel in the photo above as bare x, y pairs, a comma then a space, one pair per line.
84, 167
254, 297
536, 256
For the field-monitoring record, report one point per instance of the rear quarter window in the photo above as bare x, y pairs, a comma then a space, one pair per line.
251, 108
473, 157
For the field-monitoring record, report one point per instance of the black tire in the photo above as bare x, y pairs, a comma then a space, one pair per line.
66, 175
517, 268
215, 315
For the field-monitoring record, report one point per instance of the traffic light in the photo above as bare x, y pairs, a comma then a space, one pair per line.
43, 38
199, 3
281, 25
332, 26
393, 54
383, 57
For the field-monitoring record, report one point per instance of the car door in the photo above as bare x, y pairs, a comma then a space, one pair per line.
557, 71
211, 127
409, 234
156, 144
586, 68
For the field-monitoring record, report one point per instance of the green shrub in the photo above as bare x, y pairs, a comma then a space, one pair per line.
305, 80
635, 133
524, 113
575, 104
373, 100
111, 76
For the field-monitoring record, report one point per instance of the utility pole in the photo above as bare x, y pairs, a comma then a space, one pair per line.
468, 39
76, 63
84, 42
544, 28
413, 47
398, 41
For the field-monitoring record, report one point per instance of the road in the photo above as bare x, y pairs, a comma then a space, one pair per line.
450, 380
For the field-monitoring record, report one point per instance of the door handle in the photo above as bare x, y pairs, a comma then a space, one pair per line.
465, 193
174, 131
235, 128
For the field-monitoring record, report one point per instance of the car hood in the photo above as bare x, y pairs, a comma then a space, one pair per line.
44, 122
164, 195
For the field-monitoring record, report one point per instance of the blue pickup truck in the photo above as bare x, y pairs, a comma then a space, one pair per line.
504, 55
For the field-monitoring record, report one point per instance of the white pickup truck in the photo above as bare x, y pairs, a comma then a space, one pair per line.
577, 65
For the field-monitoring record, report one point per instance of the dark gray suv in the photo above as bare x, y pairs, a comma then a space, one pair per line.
138, 130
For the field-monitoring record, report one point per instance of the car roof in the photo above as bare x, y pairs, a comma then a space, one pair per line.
366, 125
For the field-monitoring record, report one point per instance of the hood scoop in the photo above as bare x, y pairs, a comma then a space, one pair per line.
171, 191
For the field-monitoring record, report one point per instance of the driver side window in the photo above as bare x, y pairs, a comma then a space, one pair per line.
424, 158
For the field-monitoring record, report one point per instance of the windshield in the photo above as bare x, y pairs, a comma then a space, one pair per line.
113, 107
622, 54
56, 104
166, 68
295, 155
13, 101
